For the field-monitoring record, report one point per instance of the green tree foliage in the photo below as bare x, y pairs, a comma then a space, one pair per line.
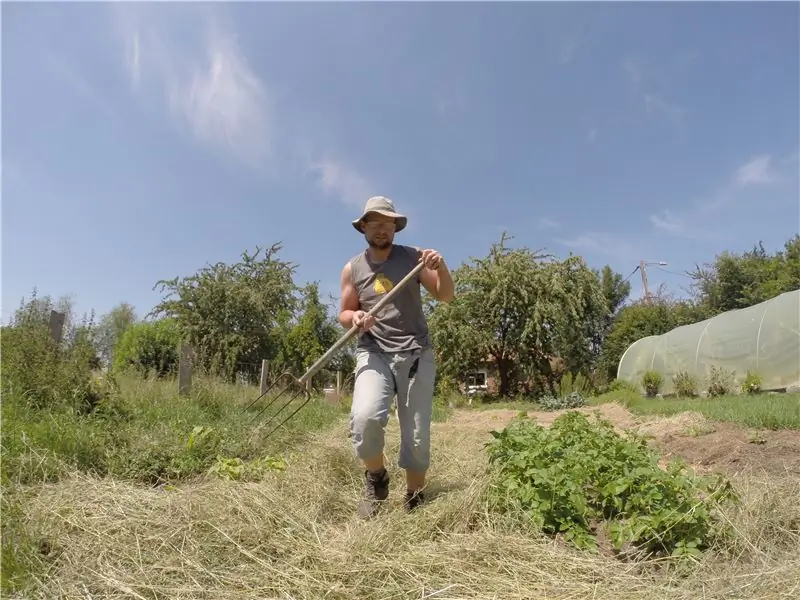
517, 307
310, 336
735, 281
149, 348
110, 329
233, 314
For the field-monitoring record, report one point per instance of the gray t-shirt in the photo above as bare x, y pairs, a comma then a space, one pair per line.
401, 324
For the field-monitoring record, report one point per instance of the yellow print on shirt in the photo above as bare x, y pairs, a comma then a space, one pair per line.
382, 284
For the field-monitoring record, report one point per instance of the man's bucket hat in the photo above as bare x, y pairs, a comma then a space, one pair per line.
383, 206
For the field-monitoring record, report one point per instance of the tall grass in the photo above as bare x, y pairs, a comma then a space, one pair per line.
147, 433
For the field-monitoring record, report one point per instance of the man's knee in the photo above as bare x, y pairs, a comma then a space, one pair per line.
367, 432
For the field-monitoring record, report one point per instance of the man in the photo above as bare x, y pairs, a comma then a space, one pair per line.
394, 354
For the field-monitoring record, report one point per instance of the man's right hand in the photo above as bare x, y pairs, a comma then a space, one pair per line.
362, 320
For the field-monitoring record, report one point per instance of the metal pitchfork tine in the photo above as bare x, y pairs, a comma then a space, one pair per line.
322, 361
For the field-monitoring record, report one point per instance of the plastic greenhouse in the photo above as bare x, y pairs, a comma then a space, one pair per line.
764, 338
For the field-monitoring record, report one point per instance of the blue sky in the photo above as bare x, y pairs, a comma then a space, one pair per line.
142, 141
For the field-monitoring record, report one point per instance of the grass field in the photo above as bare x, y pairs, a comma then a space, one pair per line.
84, 516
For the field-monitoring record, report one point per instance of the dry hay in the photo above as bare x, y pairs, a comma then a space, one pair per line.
295, 536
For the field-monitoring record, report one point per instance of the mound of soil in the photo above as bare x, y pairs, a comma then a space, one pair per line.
707, 445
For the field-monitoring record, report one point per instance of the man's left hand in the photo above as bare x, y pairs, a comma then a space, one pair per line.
432, 259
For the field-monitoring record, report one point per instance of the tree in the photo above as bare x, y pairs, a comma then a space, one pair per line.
233, 313
736, 281
111, 328
310, 336
518, 308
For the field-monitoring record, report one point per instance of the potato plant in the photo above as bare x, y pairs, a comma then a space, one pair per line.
580, 473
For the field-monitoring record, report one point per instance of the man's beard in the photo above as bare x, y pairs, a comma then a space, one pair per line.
380, 245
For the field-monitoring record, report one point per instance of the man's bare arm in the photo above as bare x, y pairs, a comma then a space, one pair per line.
438, 282
349, 303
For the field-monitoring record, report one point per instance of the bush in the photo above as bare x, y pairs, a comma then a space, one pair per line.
149, 348
752, 383
579, 472
651, 382
43, 372
571, 400
685, 384
720, 381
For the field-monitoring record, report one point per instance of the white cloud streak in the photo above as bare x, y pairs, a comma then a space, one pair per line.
693, 222
211, 89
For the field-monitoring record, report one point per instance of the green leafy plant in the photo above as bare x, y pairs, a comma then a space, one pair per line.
236, 469
651, 382
720, 381
571, 400
580, 472
752, 383
685, 384
569, 384
620, 385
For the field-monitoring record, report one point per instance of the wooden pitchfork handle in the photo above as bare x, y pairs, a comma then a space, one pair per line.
322, 360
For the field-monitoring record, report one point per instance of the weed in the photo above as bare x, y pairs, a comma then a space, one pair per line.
571, 400
685, 384
720, 381
752, 383
651, 382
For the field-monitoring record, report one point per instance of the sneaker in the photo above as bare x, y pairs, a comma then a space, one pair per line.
414, 499
376, 490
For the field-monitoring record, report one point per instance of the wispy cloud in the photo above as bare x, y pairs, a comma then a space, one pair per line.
339, 180
757, 170
208, 83
601, 243
693, 222
546, 223
568, 49
212, 90
643, 88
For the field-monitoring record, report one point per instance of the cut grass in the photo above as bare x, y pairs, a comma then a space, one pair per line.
762, 411
295, 535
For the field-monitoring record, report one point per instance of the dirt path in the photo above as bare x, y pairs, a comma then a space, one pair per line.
706, 445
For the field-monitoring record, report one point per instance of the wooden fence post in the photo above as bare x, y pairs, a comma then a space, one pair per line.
338, 384
185, 371
264, 376
57, 325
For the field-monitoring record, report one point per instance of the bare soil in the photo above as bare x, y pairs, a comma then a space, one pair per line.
706, 445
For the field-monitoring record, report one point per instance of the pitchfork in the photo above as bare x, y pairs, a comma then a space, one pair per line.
299, 385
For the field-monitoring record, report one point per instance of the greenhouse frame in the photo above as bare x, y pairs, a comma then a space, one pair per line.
763, 339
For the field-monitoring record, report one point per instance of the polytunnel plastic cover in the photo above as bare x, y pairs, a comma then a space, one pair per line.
763, 338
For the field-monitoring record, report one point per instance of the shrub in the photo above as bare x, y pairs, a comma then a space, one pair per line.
651, 382
720, 381
579, 472
571, 400
752, 383
685, 384
149, 348
43, 372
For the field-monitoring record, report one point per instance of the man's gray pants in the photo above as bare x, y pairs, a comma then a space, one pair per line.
379, 376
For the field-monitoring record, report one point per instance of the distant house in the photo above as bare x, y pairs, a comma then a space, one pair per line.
484, 379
